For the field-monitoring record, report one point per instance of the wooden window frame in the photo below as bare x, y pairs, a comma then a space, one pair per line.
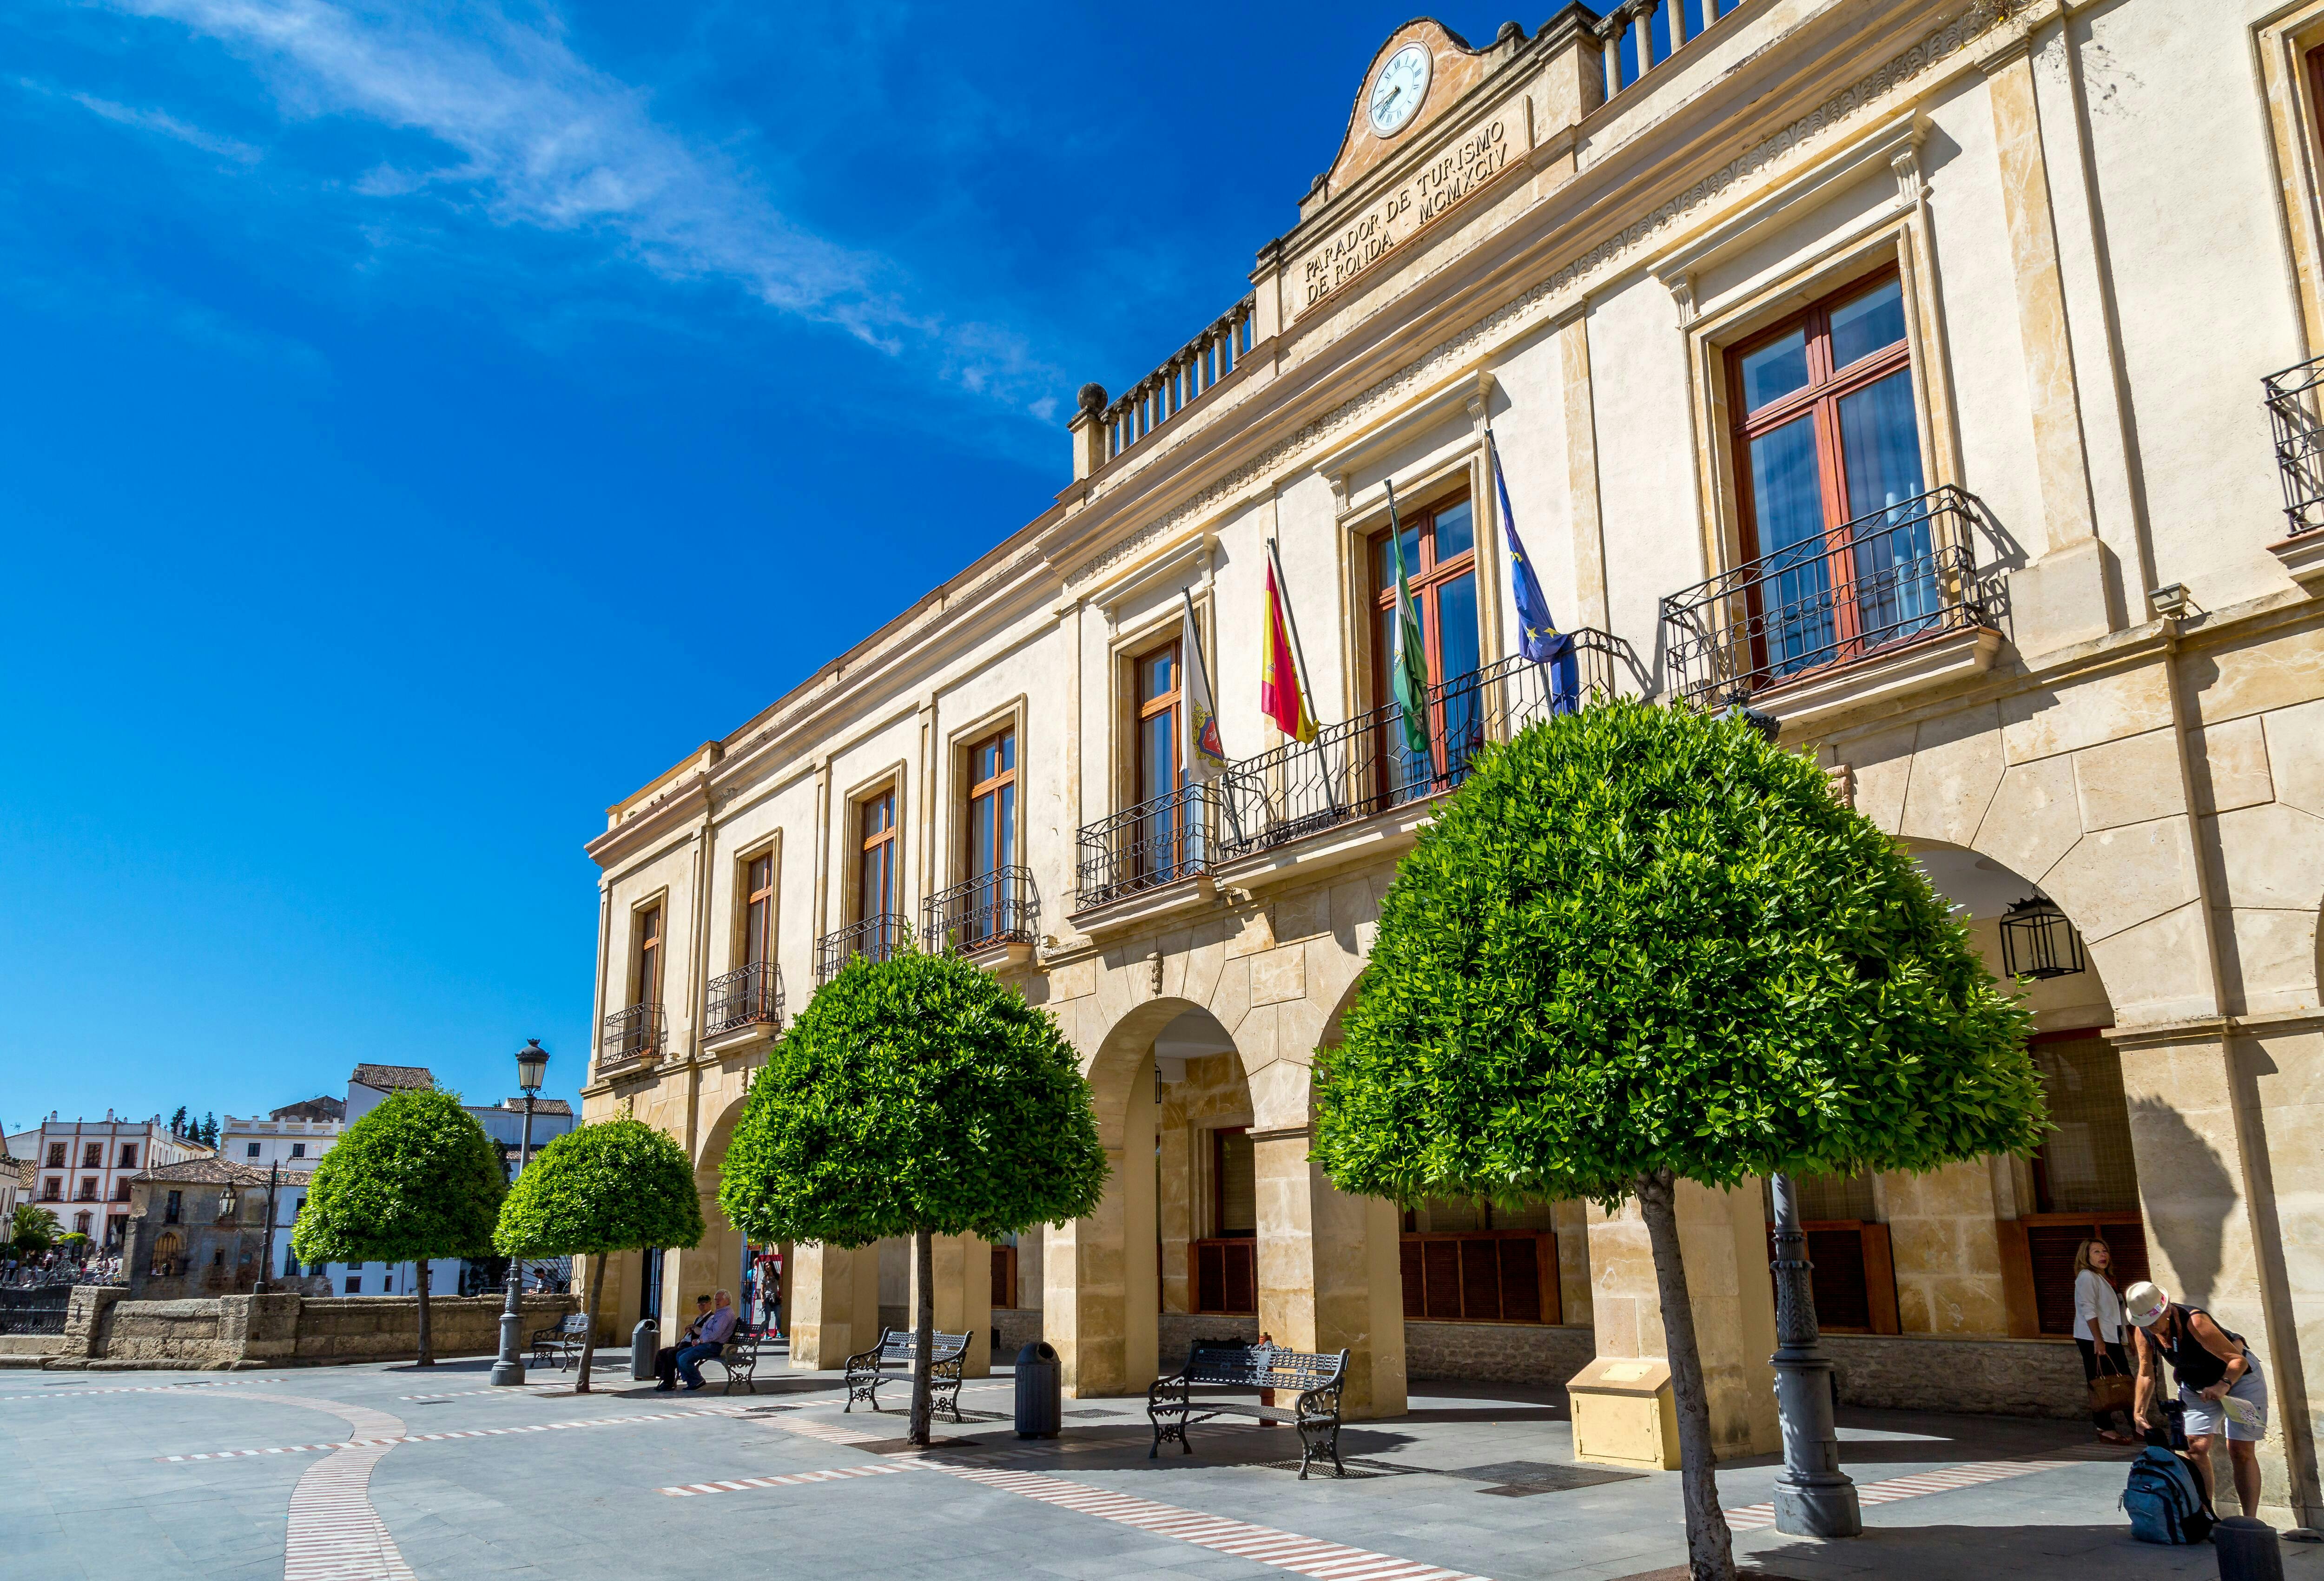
888, 843
1219, 1231
981, 789
1819, 400
649, 951
1142, 708
1428, 580
752, 897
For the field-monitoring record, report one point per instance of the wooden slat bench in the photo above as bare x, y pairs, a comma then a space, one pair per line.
560, 1343
892, 1358
1171, 1403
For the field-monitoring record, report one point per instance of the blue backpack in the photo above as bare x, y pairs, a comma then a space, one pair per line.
2163, 1500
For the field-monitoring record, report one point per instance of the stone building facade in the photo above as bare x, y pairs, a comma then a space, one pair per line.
1932, 377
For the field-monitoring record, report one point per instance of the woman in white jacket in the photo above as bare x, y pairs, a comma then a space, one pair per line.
2097, 1323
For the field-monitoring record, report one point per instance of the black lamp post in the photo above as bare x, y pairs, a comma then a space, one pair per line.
532, 1068
266, 1268
1814, 1497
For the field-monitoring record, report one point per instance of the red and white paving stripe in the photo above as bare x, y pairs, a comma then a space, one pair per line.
143, 1389
333, 1533
796, 1479
1976, 1474
1284, 1550
391, 1439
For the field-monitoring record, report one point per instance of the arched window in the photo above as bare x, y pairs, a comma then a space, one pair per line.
167, 1250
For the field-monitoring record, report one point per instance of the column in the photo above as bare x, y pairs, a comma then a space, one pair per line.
964, 1297
1723, 1240
1081, 1295
834, 1304
1328, 1278
1586, 523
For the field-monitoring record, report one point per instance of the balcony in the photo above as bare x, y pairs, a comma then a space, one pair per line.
877, 938
632, 1037
1350, 771
1367, 764
1188, 373
998, 907
1157, 841
1903, 575
751, 997
2295, 411
1634, 45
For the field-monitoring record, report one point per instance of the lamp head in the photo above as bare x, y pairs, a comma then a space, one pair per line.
531, 1065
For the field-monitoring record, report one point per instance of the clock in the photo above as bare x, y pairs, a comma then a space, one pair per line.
1399, 87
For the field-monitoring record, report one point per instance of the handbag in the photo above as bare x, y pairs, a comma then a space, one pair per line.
2112, 1390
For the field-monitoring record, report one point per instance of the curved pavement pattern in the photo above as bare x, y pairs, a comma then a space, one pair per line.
335, 1533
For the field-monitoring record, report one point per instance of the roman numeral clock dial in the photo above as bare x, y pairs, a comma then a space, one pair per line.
1398, 90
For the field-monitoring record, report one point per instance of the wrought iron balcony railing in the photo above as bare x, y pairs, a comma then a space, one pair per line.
1157, 841
747, 997
1350, 770
1899, 575
1369, 764
878, 937
2295, 411
633, 1034
998, 907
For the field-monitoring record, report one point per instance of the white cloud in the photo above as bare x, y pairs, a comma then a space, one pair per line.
547, 140
169, 125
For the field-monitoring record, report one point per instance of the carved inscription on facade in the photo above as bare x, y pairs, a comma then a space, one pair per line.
1437, 186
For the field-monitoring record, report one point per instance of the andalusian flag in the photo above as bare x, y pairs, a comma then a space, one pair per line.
1205, 755
1408, 671
1281, 698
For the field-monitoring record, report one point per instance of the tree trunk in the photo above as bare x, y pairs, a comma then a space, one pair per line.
1709, 1545
924, 1323
589, 1340
427, 1348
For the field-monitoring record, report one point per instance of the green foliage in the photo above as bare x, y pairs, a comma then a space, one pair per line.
35, 1228
1642, 939
914, 1093
608, 1187
415, 1177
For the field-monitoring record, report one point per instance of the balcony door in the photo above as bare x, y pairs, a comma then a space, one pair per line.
875, 822
1830, 467
987, 907
647, 964
1440, 562
1165, 836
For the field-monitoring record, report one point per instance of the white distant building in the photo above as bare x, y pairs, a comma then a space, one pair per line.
82, 1168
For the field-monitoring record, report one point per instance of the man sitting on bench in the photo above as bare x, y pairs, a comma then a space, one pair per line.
704, 1338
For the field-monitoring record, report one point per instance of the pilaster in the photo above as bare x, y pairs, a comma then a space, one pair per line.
1328, 1276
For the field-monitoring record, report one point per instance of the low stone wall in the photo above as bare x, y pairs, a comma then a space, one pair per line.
101, 1329
1497, 1353
1018, 1326
1983, 1377
1175, 1333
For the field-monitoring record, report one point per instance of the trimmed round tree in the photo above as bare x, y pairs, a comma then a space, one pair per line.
614, 1186
415, 1179
1643, 945
917, 1096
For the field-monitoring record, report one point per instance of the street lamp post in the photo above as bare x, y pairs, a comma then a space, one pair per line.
1813, 1497
266, 1268
531, 1067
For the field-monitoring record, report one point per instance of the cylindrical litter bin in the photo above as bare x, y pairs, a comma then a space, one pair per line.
1040, 1393
645, 1342
2248, 1550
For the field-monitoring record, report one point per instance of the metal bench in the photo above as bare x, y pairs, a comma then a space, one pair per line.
1214, 1365
741, 1359
560, 1344
893, 1356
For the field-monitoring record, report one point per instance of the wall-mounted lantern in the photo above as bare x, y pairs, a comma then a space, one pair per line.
2037, 940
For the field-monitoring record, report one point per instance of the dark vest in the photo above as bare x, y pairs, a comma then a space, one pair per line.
2195, 1367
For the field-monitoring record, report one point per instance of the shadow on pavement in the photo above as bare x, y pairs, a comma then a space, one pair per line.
1945, 1553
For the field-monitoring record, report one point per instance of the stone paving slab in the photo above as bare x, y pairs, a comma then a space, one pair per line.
88, 1498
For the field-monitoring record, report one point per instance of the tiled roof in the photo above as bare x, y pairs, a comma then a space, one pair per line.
220, 1172
389, 1078
540, 1106
325, 1107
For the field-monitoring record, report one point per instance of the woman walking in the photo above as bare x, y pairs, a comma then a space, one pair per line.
2098, 1332
2219, 1383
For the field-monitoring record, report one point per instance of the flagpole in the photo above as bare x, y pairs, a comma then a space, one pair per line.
1501, 502
1195, 631
1299, 669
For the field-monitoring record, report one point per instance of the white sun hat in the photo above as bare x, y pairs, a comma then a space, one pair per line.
2145, 1303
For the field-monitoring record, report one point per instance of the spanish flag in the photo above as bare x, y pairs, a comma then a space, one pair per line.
1281, 698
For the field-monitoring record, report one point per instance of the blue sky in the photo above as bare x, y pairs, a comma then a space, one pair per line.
426, 422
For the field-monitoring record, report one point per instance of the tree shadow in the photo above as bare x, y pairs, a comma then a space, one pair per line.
2200, 1190
1906, 1552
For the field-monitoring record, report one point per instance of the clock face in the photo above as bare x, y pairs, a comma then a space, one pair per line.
1399, 87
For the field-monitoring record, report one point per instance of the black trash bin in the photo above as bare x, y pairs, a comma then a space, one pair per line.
1040, 1393
645, 1343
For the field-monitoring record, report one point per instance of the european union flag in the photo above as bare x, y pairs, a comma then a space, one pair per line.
1541, 640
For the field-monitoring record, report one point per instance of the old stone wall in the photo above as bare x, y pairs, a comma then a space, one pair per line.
1498, 1353
1985, 1377
102, 1330
1176, 1332
1017, 1327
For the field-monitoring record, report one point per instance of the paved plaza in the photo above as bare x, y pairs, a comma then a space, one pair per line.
385, 1471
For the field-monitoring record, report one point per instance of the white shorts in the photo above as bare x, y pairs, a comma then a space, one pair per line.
2205, 1417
